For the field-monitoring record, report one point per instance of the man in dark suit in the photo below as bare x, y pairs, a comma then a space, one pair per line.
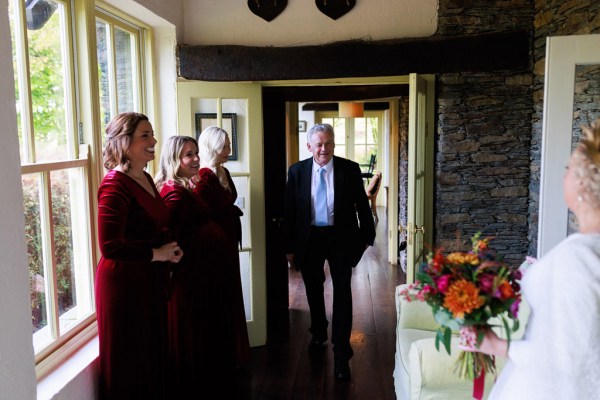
327, 217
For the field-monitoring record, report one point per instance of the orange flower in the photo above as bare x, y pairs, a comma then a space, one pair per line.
462, 258
462, 297
506, 291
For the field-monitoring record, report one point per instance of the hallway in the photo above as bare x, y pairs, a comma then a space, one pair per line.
283, 369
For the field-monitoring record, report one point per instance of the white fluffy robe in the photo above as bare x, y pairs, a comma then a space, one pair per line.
559, 356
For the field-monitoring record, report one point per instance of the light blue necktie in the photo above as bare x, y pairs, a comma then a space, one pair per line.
321, 200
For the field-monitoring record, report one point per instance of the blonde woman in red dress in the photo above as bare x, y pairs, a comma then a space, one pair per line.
201, 334
132, 275
215, 186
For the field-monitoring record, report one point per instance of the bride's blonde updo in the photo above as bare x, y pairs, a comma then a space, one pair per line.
588, 163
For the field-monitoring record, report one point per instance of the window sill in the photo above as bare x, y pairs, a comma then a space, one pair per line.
75, 378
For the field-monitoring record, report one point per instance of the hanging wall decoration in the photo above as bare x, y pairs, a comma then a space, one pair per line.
335, 8
267, 9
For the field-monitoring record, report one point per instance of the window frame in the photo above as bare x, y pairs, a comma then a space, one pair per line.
82, 115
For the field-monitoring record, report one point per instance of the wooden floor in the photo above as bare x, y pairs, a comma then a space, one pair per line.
283, 369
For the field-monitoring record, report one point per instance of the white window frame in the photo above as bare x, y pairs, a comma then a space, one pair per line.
83, 111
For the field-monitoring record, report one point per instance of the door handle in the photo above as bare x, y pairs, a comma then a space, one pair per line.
410, 231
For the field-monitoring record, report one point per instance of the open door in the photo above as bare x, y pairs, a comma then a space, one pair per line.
420, 172
237, 108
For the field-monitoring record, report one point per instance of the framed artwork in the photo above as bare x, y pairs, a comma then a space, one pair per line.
204, 120
301, 126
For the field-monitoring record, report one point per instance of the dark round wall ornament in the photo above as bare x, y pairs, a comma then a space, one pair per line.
267, 9
335, 8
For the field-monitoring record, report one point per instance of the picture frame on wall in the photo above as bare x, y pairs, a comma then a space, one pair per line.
204, 120
301, 126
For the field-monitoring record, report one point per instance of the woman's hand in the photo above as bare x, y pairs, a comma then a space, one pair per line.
490, 344
167, 252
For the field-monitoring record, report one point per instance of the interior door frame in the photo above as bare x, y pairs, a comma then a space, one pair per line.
563, 54
392, 210
189, 91
420, 171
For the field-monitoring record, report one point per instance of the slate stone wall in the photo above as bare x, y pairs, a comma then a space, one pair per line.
483, 138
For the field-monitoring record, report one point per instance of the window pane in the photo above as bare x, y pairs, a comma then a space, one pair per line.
63, 239
361, 156
16, 70
70, 241
372, 128
48, 74
126, 72
102, 41
33, 234
339, 127
359, 130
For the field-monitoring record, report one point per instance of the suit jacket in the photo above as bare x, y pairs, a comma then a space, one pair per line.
353, 219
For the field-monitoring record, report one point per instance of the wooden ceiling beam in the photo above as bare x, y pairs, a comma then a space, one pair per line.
435, 54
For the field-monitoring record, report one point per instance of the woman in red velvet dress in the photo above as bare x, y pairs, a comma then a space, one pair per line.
132, 275
201, 334
214, 184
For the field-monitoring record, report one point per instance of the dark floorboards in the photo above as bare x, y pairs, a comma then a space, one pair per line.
283, 369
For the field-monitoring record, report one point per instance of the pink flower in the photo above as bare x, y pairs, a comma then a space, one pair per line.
443, 282
514, 307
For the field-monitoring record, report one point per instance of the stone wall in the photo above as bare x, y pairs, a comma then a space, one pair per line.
552, 18
483, 138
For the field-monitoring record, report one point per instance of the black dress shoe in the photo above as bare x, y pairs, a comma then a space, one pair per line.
316, 345
341, 371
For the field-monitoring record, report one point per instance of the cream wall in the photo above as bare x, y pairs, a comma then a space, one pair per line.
17, 379
210, 22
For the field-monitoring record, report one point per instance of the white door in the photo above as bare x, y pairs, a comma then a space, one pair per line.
563, 56
237, 108
420, 172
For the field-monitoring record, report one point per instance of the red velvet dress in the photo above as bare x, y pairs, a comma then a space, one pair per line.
227, 216
201, 333
131, 295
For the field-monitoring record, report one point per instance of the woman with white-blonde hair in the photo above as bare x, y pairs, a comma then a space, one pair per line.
214, 184
559, 356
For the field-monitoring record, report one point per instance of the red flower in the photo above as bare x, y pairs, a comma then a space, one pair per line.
506, 291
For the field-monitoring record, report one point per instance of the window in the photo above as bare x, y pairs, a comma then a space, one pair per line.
61, 155
119, 69
355, 138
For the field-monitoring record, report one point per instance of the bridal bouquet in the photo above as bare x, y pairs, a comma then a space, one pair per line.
466, 290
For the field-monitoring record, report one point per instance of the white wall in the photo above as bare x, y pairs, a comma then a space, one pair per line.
211, 22
17, 378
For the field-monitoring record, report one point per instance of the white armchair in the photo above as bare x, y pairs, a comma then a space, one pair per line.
422, 372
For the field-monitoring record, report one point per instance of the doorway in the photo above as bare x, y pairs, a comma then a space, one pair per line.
280, 114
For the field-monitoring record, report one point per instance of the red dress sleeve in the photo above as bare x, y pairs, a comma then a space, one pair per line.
115, 203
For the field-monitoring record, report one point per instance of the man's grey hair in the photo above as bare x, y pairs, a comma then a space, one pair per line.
326, 128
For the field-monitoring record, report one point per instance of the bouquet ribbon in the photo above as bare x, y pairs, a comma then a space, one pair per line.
479, 385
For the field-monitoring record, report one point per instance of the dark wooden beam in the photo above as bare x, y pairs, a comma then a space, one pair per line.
338, 92
435, 54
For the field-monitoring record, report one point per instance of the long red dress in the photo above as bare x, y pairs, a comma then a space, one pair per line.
131, 291
201, 332
227, 215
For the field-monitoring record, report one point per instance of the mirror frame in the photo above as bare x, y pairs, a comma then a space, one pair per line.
563, 54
